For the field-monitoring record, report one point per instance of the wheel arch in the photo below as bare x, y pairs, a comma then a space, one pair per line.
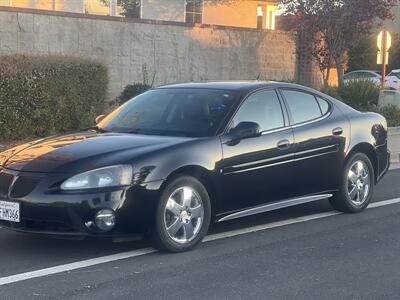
370, 152
201, 174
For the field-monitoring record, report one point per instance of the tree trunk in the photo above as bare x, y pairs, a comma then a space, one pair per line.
326, 76
339, 68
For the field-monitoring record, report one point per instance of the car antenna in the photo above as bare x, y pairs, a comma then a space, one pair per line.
258, 77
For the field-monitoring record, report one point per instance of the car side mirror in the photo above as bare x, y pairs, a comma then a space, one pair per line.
99, 119
245, 130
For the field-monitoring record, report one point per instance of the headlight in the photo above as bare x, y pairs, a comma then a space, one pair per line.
113, 176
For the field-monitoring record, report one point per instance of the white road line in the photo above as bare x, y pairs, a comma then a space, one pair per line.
145, 251
74, 266
384, 203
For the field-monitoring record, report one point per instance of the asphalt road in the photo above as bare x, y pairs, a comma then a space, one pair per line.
325, 256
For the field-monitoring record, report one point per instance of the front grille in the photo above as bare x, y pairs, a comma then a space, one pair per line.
24, 186
47, 226
5, 181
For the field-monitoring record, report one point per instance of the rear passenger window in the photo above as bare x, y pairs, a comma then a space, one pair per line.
324, 105
303, 107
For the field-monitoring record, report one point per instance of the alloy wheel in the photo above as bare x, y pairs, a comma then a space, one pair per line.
358, 186
183, 215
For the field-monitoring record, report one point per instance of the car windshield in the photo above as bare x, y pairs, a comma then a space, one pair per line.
172, 112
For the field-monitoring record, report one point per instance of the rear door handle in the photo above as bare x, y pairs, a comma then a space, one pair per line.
337, 131
284, 144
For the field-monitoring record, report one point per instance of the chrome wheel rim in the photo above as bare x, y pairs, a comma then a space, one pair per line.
183, 215
358, 185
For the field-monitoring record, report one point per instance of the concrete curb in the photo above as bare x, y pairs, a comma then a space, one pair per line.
394, 146
393, 131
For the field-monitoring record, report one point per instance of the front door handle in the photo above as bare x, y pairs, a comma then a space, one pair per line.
284, 144
337, 131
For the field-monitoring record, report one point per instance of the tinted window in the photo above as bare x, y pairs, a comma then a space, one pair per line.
367, 75
263, 108
324, 105
304, 107
175, 112
396, 74
351, 76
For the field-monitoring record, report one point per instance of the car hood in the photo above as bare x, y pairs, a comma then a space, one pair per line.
83, 151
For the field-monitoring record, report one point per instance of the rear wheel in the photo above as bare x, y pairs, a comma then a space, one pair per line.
357, 185
183, 215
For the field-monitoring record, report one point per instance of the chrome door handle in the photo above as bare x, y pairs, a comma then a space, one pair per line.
284, 144
337, 131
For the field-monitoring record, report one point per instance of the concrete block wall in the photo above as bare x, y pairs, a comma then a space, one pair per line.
171, 52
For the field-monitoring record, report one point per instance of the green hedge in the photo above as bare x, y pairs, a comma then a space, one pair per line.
360, 94
40, 96
131, 91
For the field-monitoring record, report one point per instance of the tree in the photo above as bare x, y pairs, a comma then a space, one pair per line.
394, 60
129, 7
337, 24
362, 55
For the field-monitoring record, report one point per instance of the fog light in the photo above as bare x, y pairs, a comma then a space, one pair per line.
105, 219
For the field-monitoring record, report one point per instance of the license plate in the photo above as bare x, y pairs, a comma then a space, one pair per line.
9, 211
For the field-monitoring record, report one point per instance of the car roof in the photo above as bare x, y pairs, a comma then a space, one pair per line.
396, 71
364, 71
245, 86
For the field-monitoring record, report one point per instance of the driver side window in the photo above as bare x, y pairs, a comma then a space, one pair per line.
263, 108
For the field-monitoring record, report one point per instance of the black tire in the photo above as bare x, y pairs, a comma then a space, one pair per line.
160, 237
341, 200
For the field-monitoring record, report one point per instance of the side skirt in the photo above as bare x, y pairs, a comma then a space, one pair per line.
275, 206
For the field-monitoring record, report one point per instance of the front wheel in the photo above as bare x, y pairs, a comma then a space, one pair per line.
183, 215
356, 186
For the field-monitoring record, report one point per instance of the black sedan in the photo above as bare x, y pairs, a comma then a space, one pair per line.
178, 157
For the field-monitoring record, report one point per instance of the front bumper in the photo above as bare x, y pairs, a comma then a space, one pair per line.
53, 212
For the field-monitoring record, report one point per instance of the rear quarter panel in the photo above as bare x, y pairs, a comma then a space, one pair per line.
370, 129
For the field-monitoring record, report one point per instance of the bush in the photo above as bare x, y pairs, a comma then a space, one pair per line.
131, 91
359, 94
390, 112
332, 91
46, 95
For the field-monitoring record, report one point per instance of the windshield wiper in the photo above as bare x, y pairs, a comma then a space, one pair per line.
98, 129
135, 130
